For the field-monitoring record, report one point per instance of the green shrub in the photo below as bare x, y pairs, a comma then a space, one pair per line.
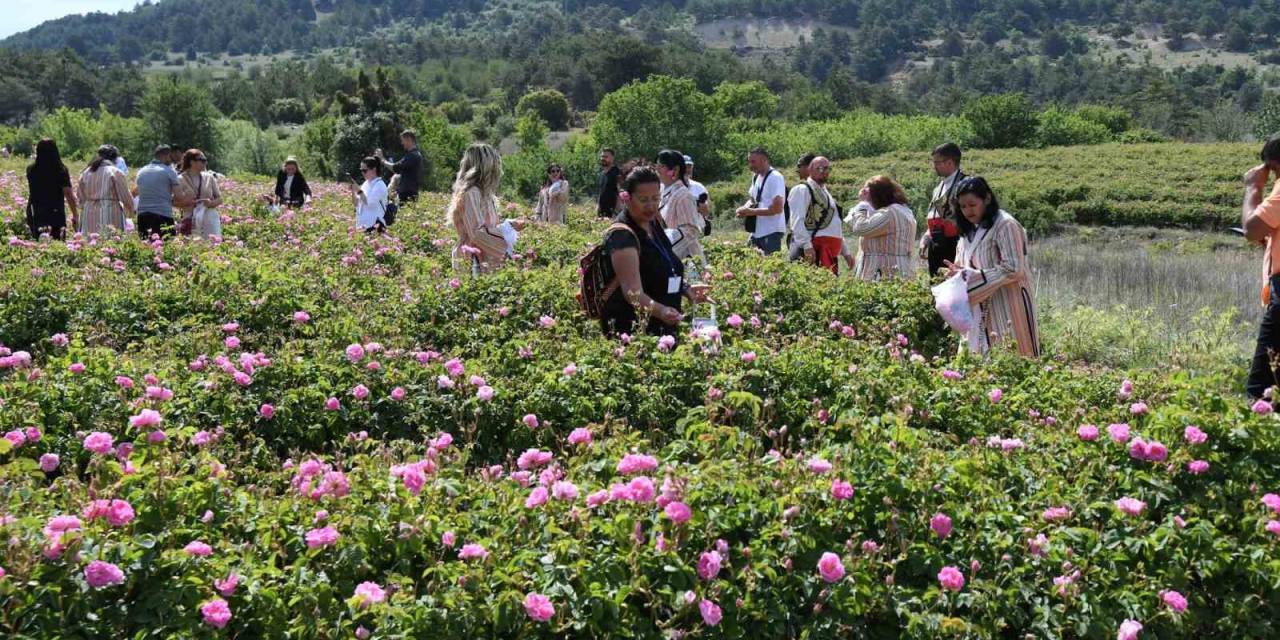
1002, 121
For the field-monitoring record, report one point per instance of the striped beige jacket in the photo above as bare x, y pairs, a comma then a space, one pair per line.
1000, 287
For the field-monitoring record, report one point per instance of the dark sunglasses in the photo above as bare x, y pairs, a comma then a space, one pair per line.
200, 159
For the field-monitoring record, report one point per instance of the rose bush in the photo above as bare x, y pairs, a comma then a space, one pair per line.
854, 478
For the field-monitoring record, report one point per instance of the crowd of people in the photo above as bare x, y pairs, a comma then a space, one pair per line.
967, 236
660, 216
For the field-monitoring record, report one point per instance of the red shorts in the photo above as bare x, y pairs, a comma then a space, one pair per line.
827, 252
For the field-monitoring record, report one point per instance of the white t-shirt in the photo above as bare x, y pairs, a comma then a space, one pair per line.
799, 202
374, 206
696, 189
775, 186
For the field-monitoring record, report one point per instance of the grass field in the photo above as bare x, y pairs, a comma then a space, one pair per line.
1182, 185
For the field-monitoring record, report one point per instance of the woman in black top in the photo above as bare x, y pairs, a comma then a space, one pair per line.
50, 186
297, 190
648, 272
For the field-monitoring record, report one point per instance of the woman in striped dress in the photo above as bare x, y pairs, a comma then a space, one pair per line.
473, 212
886, 230
993, 256
103, 191
678, 208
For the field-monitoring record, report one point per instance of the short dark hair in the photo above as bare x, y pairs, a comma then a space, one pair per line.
608, 151
161, 150
760, 151
977, 186
370, 163
949, 150
642, 174
805, 160
410, 134
1271, 150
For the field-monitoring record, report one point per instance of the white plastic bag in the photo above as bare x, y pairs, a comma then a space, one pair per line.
509, 234
951, 299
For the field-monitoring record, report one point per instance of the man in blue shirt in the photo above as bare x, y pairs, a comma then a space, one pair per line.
157, 187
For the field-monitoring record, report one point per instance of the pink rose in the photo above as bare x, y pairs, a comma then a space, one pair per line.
564, 490
227, 586
537, 498
995, 395
301, 317
711, 613
99, 442
709, 564
1194, 435
368, 594
332, 404
749, 357
1262, 407
101, 574
1119, 432
633, 463
360, 392
941, 525
198, 549
1174, 600
325, 537
1197, 467
1129, 630
472, 551
267, 411
678, 512
485, 393
1131, 506
818, 465
354, 352
216, 613
448, 539
830, 567
49, 462
951, 579
530, 420
539, 607
841, 490
1087, 432
581, 435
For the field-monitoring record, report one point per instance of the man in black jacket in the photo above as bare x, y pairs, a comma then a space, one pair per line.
409, 167
608, 187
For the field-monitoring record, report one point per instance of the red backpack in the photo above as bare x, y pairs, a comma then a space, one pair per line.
597, 279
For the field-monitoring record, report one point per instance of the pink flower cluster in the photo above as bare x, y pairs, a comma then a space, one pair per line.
316, 480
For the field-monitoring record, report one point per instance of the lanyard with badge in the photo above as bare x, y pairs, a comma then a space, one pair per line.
674, 281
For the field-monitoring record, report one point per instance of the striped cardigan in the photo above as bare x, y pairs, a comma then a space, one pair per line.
1000, 288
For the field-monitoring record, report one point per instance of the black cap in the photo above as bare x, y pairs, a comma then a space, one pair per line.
163, 148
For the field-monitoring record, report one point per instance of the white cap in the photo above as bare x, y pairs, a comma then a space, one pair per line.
688, 161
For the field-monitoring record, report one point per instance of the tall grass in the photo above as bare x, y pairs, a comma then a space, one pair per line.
1148, 298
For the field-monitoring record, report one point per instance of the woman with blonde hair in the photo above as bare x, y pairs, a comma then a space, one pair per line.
205, 221
473, 211
553, 197
103, 190
886, 230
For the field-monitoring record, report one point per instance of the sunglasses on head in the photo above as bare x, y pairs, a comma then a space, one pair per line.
200, 159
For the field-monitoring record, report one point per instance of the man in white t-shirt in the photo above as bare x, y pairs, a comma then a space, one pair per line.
763, 214
699, 193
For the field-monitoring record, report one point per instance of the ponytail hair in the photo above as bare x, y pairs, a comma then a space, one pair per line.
674, 161
107, 154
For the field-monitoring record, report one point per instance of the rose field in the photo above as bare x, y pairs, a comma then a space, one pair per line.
304, 431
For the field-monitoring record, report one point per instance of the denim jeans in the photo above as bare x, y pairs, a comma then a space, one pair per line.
1261, 373
769, 244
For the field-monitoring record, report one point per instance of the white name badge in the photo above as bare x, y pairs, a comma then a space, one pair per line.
673, 284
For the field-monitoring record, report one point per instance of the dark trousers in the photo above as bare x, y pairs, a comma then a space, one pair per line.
769, 244
154, 223
1262, 375
407, 196
940, 250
